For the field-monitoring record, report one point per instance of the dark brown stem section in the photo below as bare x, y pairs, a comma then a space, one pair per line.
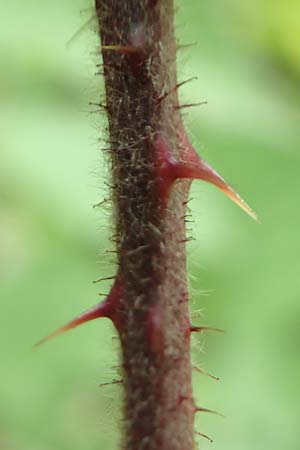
139, 64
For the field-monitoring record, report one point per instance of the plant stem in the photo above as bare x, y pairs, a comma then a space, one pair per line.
152, 317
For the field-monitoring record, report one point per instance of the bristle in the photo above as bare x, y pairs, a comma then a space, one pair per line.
175, 88
204, 436
104, 279
190, 105
184, 46
210, 411
205, 328
111, 383
198, 369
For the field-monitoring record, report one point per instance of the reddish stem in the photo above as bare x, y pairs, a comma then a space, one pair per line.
138, 50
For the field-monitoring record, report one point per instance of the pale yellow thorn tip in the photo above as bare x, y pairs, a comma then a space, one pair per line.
210, 175
52, 335
235, 197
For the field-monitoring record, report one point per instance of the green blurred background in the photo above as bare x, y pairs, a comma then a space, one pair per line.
244, 276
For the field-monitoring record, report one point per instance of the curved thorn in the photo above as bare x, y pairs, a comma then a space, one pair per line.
214, 178
203, 171
193, 166
107, 308
99, 310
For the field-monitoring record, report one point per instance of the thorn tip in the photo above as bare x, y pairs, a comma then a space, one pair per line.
99, 310
192, 166
108, 308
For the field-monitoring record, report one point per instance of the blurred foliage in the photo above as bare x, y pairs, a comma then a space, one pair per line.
244, 276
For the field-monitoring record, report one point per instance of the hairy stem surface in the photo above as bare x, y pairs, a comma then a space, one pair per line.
138, 51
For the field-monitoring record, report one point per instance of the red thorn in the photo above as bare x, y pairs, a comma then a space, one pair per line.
204, 436
207, 173
192, 166
210, 411
107, 308
99, 310
204, 328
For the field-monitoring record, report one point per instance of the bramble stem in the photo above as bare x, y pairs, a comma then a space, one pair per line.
139, 64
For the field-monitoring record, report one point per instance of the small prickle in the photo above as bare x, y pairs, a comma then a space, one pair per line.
109, 308
199, 329
210, 411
